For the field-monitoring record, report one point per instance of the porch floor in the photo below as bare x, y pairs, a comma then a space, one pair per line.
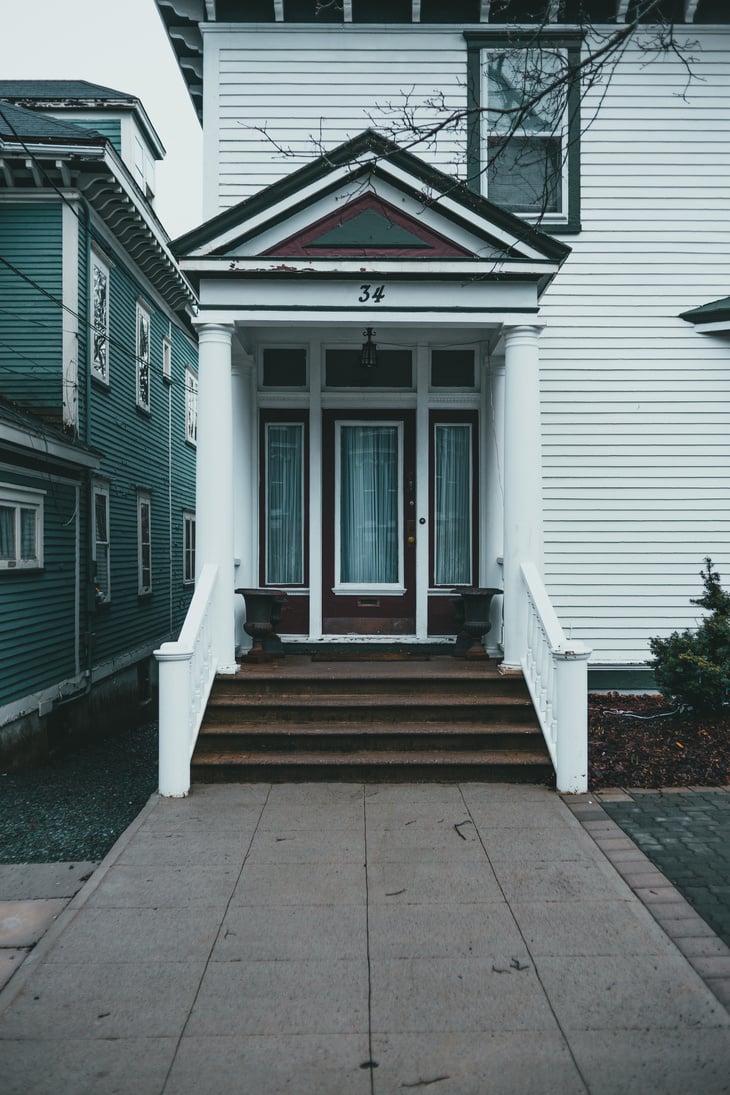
345, 939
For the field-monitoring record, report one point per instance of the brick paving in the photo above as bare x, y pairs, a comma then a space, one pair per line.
686, 834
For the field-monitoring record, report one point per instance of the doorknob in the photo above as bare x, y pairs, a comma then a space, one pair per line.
411, 532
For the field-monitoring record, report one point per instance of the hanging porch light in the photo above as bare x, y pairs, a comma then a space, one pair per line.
369, 354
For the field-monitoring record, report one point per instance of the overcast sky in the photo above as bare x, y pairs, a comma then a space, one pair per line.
123, 46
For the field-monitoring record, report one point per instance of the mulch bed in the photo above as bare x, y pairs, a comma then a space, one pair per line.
642, 741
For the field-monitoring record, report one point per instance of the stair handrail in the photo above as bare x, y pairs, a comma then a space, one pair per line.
187, 669
555, 668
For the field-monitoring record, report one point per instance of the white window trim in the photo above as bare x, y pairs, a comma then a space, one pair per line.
101, 490
103, 378
23, 499
188, 519
390, 589
144, 498
543, 217
140, 358
191, 407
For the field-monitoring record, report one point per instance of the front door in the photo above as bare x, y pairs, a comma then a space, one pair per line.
369, 523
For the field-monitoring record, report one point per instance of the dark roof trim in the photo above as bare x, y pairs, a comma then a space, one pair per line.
716, 311
347, 153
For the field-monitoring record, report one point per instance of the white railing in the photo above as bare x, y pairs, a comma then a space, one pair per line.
556, 673
186, 669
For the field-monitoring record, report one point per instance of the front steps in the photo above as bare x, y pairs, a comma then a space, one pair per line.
438, 718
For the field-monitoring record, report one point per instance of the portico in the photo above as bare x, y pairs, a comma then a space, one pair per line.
368, 483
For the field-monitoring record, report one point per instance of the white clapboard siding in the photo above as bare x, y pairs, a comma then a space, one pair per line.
311, 89
636, 403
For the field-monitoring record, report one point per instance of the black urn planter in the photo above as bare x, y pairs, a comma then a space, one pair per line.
473, 609
263, 616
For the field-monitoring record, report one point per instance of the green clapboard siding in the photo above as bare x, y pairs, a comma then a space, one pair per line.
30, 309
37, 624
111, 128
142, 452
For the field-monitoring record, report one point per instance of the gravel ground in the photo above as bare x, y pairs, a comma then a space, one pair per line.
76, 807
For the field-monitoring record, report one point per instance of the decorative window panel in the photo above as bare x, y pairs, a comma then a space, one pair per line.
101, 543
453, 513
188, 547
143, 357
99, 319
191, 407
166, 360
21, 529
144, 542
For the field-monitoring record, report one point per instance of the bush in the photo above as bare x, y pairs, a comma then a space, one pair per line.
692, 668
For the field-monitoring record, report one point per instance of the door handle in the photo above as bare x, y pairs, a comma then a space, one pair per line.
411, 532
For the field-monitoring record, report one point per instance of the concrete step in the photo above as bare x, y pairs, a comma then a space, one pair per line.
355, 710
329, 738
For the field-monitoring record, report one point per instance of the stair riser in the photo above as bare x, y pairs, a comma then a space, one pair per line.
296, 691
385, 742
298, 715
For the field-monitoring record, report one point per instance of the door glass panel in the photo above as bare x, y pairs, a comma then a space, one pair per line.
368, 504
284, 503
452, 540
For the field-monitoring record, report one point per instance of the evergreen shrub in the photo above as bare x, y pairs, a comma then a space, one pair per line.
692, 668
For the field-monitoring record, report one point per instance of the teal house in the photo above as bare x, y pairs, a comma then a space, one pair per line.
98, 414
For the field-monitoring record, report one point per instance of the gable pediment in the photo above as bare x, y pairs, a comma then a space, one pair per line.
368, 200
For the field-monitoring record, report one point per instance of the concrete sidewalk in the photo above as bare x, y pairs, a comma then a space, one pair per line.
335, 938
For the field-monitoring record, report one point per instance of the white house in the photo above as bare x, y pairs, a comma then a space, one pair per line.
548, 412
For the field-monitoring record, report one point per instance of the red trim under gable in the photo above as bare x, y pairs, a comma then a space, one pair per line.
300, 245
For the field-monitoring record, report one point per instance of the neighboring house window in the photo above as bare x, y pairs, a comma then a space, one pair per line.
144, 541
101, 542
99, 319
143, 358
525, 136
188, 546
166, 359
21, 529
191, 407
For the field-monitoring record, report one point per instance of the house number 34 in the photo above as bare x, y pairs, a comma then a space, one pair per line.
370, 294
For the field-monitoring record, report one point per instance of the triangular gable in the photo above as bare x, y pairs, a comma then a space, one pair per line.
343, 205
367, 227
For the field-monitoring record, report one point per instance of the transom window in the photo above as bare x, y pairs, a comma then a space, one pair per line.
21, 529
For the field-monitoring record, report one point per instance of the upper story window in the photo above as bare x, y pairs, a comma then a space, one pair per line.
143, 357
167, 360
525, 125
99, 319
21, 529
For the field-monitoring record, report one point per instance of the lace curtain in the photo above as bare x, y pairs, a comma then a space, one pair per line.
452, 534
284, 503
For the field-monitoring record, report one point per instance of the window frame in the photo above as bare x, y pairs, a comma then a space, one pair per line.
97, 261
144, 547
19, 499
143, 359
101, 489
167, 359
479, 45
188, 548
191, 406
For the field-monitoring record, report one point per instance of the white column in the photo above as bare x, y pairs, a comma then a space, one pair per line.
522, 482
214, 484
245, 493
315, 490
420, 512
491, 478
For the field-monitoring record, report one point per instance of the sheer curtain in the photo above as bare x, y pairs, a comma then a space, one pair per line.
284, 503
369, 504
452, 457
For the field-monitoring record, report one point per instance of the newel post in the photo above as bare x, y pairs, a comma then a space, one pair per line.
174, 725
523, 539
214, 485
571, 680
